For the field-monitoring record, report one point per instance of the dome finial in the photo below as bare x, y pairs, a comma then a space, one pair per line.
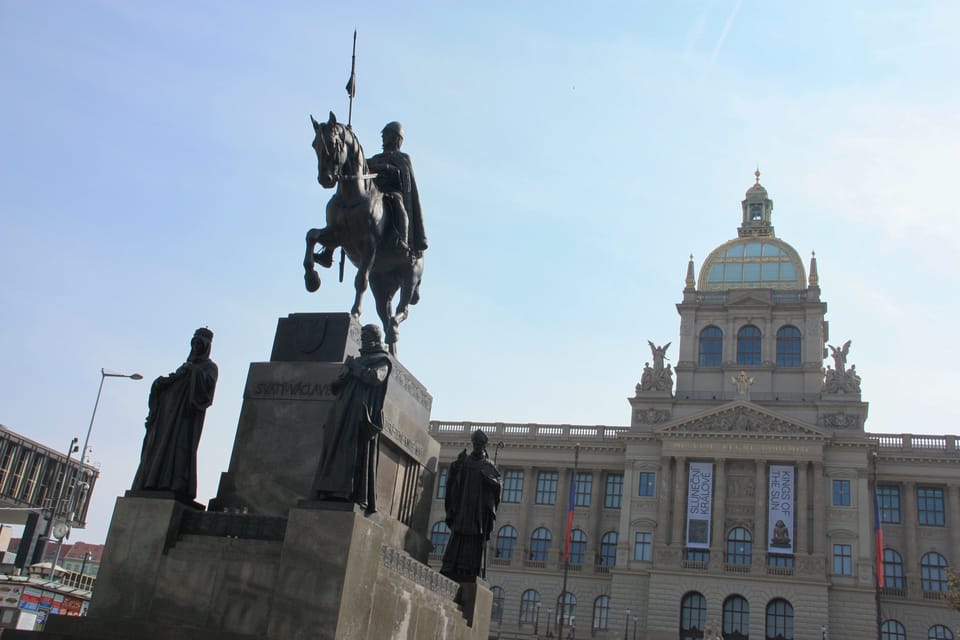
757, 173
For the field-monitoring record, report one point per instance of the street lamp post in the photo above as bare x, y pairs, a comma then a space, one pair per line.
549, 615
536, 620
635, 619
104, 374
626, 623
55, 507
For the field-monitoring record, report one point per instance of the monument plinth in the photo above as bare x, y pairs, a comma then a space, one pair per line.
270, 560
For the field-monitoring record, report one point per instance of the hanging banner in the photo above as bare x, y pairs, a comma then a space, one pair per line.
699, 504
780, 501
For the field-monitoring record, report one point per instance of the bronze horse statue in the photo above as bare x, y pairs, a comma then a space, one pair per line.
357, 222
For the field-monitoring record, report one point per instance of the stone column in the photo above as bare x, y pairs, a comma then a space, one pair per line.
760, 515
662, 533
678, 535
526, 511
953, 512
908, 516
800, 515
819, 510
717, 544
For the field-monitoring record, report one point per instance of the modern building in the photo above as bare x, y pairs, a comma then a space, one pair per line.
740, 500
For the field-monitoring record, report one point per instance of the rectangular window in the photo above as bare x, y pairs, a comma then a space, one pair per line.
648, 484
512, 485
613, 495
698, 555
930, 506
584, 489
889, 503
442, 483
778, 560
546, 487
842, 560
841, 493
643, 546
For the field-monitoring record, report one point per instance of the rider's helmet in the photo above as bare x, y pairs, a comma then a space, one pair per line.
393, 127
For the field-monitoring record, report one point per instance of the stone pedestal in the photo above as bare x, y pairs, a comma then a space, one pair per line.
265, 562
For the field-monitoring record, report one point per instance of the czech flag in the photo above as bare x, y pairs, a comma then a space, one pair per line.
573, 499
878, 538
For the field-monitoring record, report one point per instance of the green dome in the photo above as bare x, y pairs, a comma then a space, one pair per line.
753, 263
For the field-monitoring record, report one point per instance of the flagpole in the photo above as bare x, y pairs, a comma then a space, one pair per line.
566, 540
352, 82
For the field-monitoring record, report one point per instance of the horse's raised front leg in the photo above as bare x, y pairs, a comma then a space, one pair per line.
311, 278
363, 276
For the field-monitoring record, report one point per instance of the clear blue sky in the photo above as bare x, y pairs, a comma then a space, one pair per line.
157, 176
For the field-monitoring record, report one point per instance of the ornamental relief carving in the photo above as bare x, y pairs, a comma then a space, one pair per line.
741, 486
841, 421
742, 420
739, 510
651, 416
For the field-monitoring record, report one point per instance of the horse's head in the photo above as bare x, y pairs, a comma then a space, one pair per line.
332, 150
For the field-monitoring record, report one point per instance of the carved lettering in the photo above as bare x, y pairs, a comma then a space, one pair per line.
414, 388
292, 391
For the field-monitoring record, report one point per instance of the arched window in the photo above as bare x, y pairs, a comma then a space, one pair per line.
540, 544
496, 612
933, 572
601, 614
788, 347
578, 546
892, 630
608, 549
939, 632
739, 546
748, 345
711, 347
567, 606
779, 620
736, 618
892, 569
693, 616
528, 605
506, 541
439, 536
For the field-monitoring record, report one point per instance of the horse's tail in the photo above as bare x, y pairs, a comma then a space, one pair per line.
342, 258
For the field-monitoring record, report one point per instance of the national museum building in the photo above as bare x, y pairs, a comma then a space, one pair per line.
739, 503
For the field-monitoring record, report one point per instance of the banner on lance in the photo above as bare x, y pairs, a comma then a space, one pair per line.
780, 500
699, 504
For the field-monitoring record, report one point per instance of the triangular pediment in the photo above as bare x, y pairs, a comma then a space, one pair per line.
741, 417
749, 297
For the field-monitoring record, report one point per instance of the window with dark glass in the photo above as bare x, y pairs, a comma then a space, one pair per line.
736, 618
779, 620
506, 541
939, 632
892, 630
788, 347
780, 560
613, 493
578, 546
540, 541
841, 493
933, 572
693, 616
842, 560
496, 612
583, 489
711, 347
528, 605
739, 546
748, 345
546, 487
648, 484
439, 535
601, 613
442, 483
643, 546
930, 506
892, 569
512, 485
889, 497
698, 555
608, 549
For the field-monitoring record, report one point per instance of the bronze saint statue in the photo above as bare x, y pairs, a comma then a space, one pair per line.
348, 463
358, 223
395, 179
472, 498
177, 406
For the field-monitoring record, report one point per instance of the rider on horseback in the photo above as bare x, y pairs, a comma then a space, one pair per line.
395, 179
